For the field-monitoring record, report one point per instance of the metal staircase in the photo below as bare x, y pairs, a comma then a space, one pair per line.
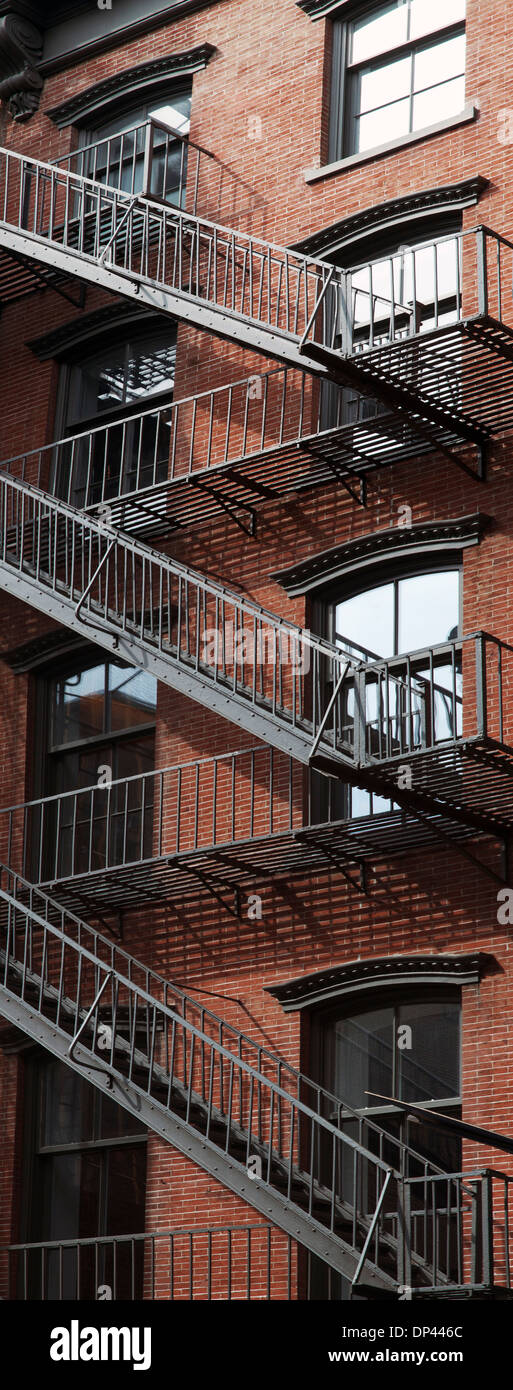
238, 1110
196, 635
229, 283
337, 708
440, 367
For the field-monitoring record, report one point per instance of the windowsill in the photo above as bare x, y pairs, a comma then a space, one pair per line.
469, 113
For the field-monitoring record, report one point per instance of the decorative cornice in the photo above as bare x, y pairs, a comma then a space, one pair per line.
379, 972
21, 46
86, 327
136, 80
318, 9
40, 650
341, 560
408, 208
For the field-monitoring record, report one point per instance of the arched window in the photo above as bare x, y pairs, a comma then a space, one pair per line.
410, 608
402, 1043
399, 1042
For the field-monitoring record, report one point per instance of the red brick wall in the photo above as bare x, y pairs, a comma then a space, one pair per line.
272, 62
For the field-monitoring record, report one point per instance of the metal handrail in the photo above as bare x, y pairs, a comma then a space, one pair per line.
274, 288
462, 1227
243, 420
180, 1065
235, 1261
112, 953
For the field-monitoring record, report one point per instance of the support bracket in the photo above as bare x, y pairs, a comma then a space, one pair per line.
234, 909
358, 493
360, 884
227, 505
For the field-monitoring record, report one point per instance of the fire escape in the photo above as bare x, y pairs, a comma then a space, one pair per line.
371, 1209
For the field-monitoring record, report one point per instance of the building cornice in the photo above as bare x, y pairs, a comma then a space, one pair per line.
380, 216
48, 647
21, 46
138, 80
78, 40
397, 541
318, 9
378, 972
86, 327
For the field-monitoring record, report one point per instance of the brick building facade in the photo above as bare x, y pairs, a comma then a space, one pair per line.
240, 646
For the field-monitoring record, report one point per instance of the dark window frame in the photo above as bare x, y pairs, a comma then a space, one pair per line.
32, 1215
98, 346
340, 116
66, 427
322, 619
385, 571
45, 761
132, 109
387, 996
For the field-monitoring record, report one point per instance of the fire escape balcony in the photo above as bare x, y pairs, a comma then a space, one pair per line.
218, 826
458, 1221
241, 1262
433, 729
150, 159
429, 328
427, 333
226, 450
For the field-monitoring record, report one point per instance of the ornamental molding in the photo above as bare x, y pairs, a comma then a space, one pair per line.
21, 47
341, 560
377, 973
318, 9
135, 80
86, 327
381, 216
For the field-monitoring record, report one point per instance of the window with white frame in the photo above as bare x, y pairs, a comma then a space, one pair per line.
397, 67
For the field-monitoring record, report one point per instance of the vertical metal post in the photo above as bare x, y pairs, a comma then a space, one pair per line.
481, 711
482, 271
487, 1227
360, 718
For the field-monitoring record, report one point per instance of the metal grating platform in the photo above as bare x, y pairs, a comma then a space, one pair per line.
471, 779
229, 867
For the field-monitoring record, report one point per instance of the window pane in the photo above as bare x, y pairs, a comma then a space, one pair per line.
429, 1064
429, 15
367, 620
151, 368
384, 28
72, 1196
115, 1121
176, 114
363, 1058
428, 609
116, 378
133, 697
66, 1106
380, 126
439, 102
378, 85
98, 384
77, 706
439, 62
126, 1190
